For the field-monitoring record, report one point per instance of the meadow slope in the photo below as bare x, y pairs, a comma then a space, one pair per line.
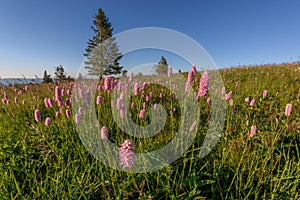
47, 160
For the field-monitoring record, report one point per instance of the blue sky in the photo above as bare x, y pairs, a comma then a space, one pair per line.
38, 35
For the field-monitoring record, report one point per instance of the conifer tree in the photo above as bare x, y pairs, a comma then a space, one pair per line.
60, 73
47, 77
162, 66
102, 52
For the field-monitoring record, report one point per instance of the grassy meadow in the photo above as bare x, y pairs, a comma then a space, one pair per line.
47, 160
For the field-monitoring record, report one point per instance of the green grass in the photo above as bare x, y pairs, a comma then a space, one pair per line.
40, 162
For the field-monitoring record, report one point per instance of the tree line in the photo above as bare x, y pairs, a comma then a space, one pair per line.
60, 75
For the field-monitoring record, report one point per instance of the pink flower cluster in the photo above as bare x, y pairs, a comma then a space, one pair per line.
169, 71
265, 92
252, 131
126, 153
204, 82
104, 132
37, 115
107, 83
288, 109
228, 95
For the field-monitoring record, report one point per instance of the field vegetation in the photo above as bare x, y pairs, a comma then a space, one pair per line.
257, 156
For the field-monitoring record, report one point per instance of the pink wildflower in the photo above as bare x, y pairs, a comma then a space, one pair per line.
204, 82
193, 126
144, 86
77, 118
68, 103
99, 100
47, 121
265, 92
194, 70
104, 132
126, 153
80, 111
68, 92
228, 95
37, 115
190, 76
57, 94
252, 102
50, 102
169, 71
46, 102
136, 89
130, 76
288, 109
253, 131
107, 83
68, 114
60, 103
147, 97
142, 113
114, 83
80, 93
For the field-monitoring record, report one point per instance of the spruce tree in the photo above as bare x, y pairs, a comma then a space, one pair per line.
102, 52
115, 69
102, 29
47, 77
60, 73
162, 67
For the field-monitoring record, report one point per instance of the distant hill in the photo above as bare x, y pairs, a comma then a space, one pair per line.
7, 81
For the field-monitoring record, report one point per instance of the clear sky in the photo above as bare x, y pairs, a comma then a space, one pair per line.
38, 35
